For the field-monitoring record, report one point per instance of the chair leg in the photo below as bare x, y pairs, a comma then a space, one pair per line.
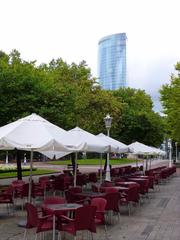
129, 209
59, 235
91, 235
106, 232
25, 235
36, 237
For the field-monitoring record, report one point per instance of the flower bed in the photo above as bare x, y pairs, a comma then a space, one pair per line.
5, 168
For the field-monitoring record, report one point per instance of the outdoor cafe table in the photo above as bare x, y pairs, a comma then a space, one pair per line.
144, 184
56, 208
91, 194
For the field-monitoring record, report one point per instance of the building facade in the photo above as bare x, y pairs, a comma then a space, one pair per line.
112, 61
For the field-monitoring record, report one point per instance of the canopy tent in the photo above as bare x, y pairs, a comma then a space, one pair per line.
158, 151
140, 148
121, 147
34, 133
94, 143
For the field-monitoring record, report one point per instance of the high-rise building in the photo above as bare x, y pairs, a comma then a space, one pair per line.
112, 61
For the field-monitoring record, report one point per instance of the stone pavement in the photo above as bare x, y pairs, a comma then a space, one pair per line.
156, 219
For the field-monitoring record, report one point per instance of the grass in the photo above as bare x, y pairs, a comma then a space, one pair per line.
94, 161
26, 173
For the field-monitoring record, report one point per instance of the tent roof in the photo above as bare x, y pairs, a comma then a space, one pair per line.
36, 133
140, 148
121, 147
94, 144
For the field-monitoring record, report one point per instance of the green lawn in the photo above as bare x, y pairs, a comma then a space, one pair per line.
26, 173
94, 161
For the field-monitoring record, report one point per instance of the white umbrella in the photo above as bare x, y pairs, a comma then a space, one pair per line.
34, 133
140, 148
94, 144
121, 147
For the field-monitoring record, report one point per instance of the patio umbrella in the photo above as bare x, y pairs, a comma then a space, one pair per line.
34, 133
94, 144
121, 147
140, 148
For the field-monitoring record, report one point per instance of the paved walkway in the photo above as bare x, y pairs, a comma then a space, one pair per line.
156, 219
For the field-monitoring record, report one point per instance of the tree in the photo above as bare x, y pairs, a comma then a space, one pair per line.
170, 98
63, 94
139, 122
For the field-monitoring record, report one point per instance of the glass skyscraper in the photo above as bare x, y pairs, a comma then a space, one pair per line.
112, 61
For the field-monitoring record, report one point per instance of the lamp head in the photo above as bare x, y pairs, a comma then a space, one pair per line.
108, 121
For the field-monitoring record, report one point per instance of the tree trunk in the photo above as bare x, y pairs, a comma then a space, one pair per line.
19, 169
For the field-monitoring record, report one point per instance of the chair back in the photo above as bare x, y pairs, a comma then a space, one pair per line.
85, 218
32, 215
54, 200
18, 182
94, 188
93, 177
77, 189
99, 203
112, 201
106, 184
25, 190
110, 190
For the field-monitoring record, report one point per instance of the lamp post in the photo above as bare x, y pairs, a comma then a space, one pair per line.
108, 121
170, 151
176, 151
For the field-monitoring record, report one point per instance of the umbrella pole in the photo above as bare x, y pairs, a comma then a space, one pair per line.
100, 167
30, 176
7, 157
75, 172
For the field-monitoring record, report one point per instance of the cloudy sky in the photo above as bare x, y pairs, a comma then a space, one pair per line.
45, 29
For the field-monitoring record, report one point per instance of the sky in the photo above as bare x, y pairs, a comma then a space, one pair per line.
45, 29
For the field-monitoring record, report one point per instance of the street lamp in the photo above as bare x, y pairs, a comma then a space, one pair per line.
176, 151
170, 151
108, 121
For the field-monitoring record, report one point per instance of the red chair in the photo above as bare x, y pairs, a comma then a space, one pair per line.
38, 190
110, 189
100, 204
73, 197
112, 203
130, 196
22, 192
6, 197
77, 189
94, 188
84, 220
81, 179
93, 177
107, 184
42, 224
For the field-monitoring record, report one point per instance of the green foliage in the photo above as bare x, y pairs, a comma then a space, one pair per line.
68, 96
139, 122
170, 97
